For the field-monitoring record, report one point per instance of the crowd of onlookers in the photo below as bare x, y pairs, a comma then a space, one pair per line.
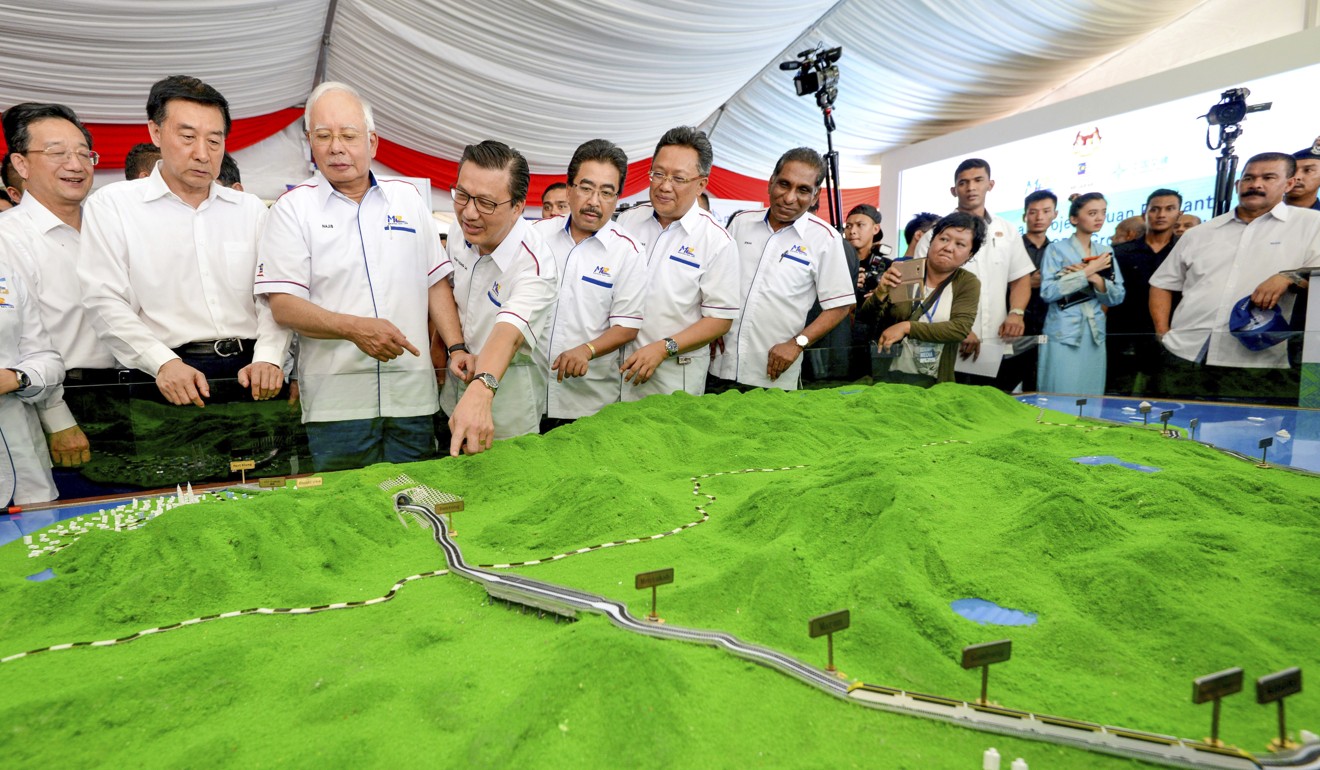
1159, 308
397, 340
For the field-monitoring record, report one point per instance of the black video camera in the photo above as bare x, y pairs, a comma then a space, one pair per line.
1233, 107
818, 73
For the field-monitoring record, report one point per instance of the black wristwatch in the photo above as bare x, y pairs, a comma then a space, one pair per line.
459, 346
24, 382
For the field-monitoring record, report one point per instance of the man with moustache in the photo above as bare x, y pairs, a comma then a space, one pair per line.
505, 286
1133, 352
789, 260
52, 153
166, 262
692, 272
1246, 252
353, 264
602, 287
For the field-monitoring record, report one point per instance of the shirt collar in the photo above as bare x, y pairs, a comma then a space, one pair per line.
605, 228
507, 251
692, 219
1279, 212
39, 214
798, 224
325, 190
156, 188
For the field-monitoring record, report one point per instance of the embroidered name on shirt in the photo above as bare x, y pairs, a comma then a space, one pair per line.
325, 226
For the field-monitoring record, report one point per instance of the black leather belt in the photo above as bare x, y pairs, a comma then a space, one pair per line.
96, 376
222, 348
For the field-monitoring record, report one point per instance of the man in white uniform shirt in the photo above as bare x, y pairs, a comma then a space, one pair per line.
1238, 254
1002, 265
504, 284
166, 262
354, 266
790, 259
52, 152
30, 368
602, 287
692, 272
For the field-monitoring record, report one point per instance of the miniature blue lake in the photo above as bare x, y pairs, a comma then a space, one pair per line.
987, 613
1111, 460
44, 575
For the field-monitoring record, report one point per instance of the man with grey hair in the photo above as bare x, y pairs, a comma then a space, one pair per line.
790, 260
692, 272
353, 264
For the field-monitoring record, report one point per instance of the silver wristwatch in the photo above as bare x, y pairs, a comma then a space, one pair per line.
671, 347
488, 379
801, 341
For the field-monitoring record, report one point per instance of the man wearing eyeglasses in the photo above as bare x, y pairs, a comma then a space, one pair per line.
52, 153
166, 262
353, 264
790, 259
692, 272
505, 286
602, 287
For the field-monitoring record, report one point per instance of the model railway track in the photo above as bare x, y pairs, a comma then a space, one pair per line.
1108, 739
394, 590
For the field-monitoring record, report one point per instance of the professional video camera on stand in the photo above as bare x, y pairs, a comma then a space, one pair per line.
1228, 114
818, 73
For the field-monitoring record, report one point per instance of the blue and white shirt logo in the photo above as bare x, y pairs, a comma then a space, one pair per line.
4, 291
797, 254
494, 294
393, 222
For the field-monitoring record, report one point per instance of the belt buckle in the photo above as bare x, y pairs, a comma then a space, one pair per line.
233, 345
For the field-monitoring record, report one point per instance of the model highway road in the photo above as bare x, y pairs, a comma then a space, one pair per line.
1136, 744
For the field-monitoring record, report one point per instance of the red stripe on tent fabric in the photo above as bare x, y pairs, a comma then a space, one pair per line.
114, 140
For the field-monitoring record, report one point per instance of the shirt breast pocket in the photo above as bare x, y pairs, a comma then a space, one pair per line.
792, 273
240, 266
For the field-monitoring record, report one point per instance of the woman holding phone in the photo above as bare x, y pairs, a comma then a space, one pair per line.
1078, 279
920, 336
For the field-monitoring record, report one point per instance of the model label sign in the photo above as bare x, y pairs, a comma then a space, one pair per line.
271, 482
1218, 685
242, 465
828, 624
986, 654
1279, 685
314, 481
660, 577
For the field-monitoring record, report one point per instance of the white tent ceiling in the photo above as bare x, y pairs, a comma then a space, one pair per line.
548, 75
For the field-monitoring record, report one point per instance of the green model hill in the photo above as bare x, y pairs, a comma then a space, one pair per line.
910, 499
